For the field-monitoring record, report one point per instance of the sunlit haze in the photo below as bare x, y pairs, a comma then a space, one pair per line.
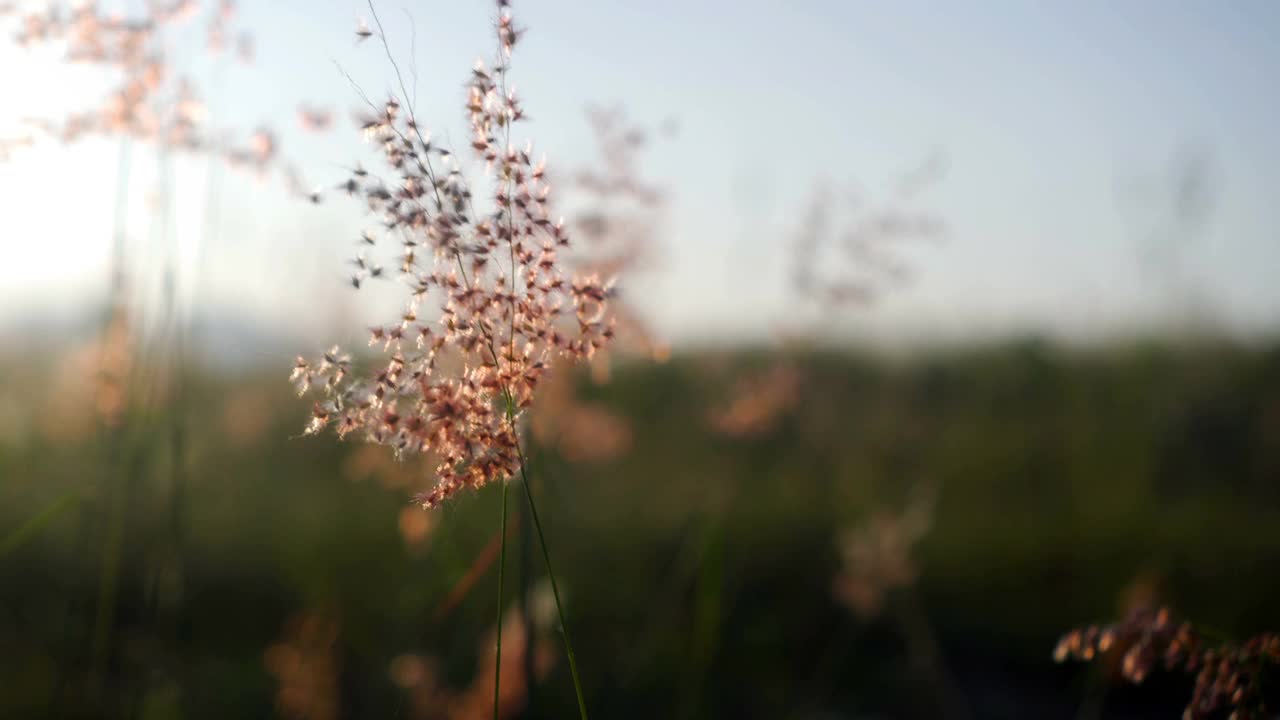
1063, 132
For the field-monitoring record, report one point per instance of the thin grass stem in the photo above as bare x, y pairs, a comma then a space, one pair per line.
27, 530
555, 589
502, 567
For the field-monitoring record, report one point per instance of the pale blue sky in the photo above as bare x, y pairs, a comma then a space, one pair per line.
1049, 116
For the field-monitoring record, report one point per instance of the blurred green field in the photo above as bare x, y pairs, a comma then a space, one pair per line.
697, 566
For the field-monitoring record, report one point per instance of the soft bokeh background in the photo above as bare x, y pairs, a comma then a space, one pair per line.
1060, 401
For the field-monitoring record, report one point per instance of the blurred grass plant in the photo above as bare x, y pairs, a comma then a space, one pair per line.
1230, 678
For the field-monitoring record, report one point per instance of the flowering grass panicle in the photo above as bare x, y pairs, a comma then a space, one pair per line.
1229, 677
428, 694
759, 402
580, 429
487, 288
151, 98
618, 216
151, 101
878, 556
849, 251
306, 664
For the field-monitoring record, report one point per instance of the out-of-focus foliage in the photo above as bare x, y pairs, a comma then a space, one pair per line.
698, 566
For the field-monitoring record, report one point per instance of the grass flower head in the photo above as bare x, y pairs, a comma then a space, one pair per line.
487, 287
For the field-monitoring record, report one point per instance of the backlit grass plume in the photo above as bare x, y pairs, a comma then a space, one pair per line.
486, 286
152, 98
490, 303
1229, 677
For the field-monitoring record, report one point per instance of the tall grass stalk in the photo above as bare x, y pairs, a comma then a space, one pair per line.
555, 588
502, 568
507, 319
526, 602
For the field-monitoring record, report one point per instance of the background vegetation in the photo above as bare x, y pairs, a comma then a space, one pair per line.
1068, 484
